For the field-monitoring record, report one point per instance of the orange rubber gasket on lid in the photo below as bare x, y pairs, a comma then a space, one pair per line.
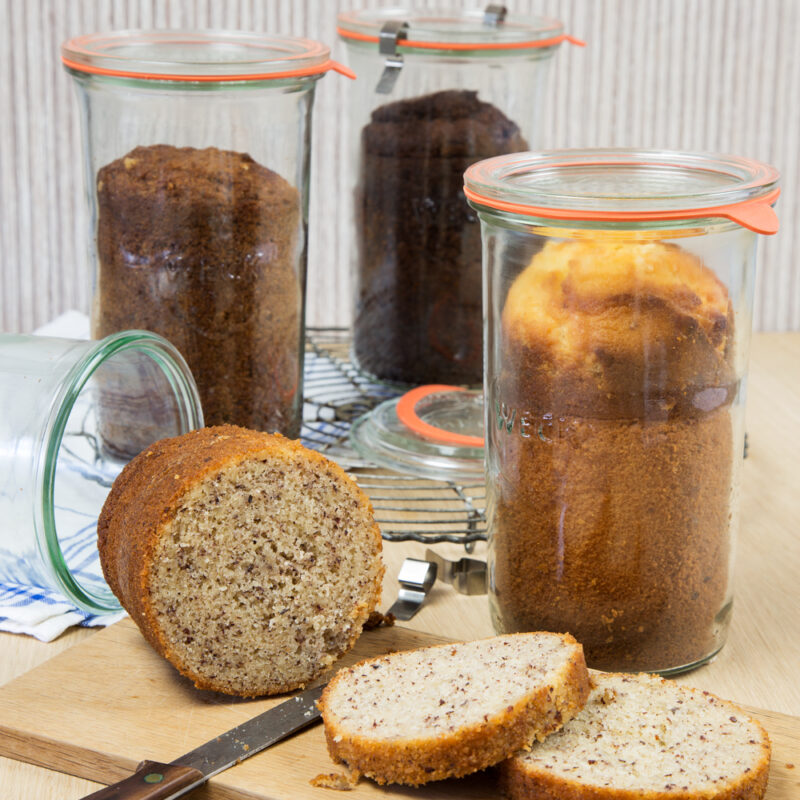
406, 410
756, 214
303, 72
415, 44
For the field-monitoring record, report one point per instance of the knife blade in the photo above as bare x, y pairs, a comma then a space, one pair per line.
156, 781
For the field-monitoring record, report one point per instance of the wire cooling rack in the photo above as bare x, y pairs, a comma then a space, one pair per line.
406, 507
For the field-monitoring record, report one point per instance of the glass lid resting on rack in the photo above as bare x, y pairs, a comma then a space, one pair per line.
432, 431
407, 507
617, 189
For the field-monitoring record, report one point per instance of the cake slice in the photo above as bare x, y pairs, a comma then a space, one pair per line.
643, 737
248, 561
449, 710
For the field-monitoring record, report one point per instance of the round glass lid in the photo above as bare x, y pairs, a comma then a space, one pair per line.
627, 185
196, 55
454, 29
435, 432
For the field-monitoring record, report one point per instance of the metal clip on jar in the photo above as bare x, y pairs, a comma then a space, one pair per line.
619, 297
197, 159
73, 412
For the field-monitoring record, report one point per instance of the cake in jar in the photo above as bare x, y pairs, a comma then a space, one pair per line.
418, 271
203, 247
613, 438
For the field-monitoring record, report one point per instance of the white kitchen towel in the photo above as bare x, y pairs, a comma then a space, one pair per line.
27, 604
43, 613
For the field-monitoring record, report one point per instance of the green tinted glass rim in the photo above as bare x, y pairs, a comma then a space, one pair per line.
177, 373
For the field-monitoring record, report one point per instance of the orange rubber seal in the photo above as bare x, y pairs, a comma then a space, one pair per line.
415, 44
406, 410
302, 72
756, 214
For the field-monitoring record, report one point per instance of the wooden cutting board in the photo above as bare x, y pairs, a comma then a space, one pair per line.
98, 709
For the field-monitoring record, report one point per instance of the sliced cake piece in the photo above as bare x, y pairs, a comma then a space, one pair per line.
645, 738
448, 710
248, 561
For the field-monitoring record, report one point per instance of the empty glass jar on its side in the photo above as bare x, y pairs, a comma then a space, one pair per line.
619, 289
74, 412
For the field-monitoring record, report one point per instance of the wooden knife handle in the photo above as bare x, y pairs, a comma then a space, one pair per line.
151, 781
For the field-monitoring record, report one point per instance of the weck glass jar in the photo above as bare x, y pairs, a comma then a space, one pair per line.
196, 151
436, 92
74, 412
619, 291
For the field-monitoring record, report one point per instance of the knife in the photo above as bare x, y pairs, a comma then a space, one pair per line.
155, 781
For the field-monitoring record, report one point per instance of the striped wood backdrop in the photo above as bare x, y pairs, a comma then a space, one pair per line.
719, 75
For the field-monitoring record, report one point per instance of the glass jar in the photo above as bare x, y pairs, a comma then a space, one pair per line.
435, 93
619, 292
73, 412
196, 152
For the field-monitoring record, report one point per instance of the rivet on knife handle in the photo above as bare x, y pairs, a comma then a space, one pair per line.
151, 781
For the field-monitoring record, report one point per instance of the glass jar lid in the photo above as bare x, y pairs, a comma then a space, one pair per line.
197, 56
618, 186
454, 30
432, 431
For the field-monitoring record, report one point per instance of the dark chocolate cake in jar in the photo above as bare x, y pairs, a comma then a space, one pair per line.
418, 299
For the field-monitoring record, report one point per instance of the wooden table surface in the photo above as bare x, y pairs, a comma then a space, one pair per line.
760, 664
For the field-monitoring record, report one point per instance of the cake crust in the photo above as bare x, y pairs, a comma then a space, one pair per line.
615, 329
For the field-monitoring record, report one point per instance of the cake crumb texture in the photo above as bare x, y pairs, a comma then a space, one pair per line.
449, 710
643, 737
248, 561
335, 780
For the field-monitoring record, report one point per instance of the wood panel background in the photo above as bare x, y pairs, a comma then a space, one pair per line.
717, 75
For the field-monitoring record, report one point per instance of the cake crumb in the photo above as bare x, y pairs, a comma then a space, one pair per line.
609, 696
378, 620
339, 781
